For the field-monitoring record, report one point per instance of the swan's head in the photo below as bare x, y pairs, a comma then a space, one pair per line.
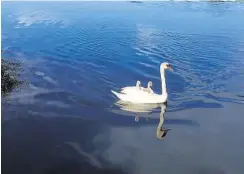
166, 65
149, 84
138, 83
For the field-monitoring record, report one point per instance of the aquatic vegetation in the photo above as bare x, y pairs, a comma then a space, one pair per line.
10, 76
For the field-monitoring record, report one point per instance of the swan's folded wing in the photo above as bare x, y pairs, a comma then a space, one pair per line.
121, 96
128, 90
139, 96
132, 90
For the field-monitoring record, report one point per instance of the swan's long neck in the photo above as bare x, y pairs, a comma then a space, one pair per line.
164, 89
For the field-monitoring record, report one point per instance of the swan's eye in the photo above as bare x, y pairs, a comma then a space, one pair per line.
169, 67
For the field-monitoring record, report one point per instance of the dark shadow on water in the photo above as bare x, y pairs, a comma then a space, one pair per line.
112, 116
53, 146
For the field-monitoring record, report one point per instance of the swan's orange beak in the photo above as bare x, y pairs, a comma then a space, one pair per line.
170, 68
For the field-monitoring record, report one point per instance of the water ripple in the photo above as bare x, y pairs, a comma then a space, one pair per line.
95, 54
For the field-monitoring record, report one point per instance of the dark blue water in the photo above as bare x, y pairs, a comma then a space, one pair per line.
67, 121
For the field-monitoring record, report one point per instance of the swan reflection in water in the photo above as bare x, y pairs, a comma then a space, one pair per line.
146, 108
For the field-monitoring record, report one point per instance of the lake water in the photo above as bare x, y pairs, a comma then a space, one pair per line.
67, 120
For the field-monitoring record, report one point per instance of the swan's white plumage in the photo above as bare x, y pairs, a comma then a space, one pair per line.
138, 95
149, 87
128, 89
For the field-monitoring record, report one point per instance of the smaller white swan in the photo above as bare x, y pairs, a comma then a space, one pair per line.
131, 88
149, 87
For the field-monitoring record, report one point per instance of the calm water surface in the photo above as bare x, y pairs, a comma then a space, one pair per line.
67, 120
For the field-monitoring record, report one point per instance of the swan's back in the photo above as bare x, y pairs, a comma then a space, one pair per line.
139, 96
129, 89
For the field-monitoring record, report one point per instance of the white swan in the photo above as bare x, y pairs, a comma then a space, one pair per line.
131, 88
135, 95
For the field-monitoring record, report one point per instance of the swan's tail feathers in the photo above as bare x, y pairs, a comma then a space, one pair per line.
120, 96
115, 93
